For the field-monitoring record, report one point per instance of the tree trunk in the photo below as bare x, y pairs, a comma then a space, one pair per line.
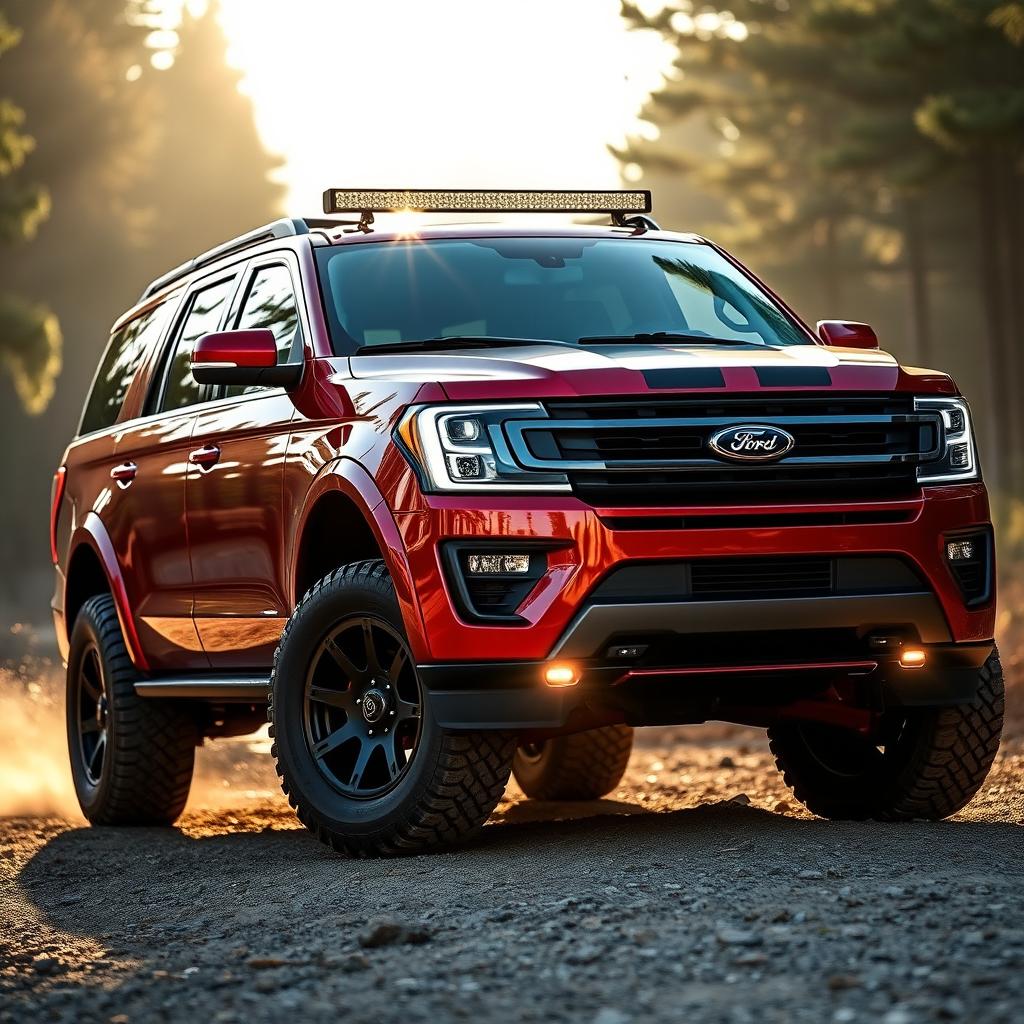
918, 315
1013, 284
993, 407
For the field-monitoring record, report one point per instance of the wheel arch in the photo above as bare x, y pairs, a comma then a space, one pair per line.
345, 519
93, 569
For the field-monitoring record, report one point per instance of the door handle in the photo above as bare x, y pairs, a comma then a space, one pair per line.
124, 474
204, 457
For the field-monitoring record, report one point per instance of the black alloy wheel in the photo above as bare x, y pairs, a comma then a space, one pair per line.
362, 707
91, 715
362, 758
131, 757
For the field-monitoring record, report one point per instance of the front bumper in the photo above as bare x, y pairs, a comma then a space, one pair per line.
587, 544
512, 695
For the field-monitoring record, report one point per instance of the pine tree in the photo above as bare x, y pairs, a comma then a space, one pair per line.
145, 168
864, 119
30, 339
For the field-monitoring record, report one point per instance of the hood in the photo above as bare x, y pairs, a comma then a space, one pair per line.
559, 371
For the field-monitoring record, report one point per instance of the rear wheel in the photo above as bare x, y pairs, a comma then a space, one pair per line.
361, 759
930, 763
581, 766
131, 757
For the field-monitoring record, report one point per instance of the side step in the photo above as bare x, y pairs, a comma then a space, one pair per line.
251, 689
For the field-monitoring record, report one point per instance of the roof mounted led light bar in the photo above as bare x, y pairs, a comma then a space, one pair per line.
375, 200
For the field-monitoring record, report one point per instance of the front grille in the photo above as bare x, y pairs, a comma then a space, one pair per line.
724, 579
655, 450
737, 577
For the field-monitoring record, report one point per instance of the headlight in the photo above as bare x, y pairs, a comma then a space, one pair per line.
958, 458
463, 448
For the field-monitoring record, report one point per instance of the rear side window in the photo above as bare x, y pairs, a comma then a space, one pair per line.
204, 315
118, 367
270, 304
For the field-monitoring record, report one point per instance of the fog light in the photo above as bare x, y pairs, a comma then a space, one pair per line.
959, 550
959, 456
466, 467
913, 657
499, 564
561, 674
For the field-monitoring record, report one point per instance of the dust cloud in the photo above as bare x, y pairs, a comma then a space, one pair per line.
35, 778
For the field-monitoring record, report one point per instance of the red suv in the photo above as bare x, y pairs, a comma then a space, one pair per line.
477, 499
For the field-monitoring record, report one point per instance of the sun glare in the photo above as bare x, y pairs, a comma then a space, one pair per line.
451, 94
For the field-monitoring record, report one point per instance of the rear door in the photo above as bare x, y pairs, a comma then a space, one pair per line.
234, 494
148, 503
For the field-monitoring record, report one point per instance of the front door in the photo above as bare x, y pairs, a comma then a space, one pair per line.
234, 492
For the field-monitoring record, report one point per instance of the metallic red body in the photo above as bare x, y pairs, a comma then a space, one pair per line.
200, 549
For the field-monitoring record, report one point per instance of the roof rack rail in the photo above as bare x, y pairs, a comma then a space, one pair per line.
286, 227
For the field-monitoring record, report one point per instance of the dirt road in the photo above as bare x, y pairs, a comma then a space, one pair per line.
700, 892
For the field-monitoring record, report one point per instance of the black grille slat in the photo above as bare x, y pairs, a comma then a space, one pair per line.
729, 577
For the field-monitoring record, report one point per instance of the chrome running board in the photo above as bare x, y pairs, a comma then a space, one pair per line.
244, 688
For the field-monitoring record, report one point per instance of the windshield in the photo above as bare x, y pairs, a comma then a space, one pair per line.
561, 289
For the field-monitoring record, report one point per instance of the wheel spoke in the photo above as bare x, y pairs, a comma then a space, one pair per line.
391, 756
372, 659
95, 765
333, 698
91, 680
343, 661
397, 664
365, 752
405, 709
335, 740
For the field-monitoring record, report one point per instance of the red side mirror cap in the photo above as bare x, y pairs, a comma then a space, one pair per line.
847, 334
242, 357
236, 349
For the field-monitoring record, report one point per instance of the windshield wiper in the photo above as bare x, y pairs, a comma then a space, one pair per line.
460, 341
661, 336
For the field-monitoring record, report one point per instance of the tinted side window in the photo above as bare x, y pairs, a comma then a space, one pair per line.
270, 304
205, 309
119, 365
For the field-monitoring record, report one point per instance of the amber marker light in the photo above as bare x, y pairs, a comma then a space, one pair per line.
913, 657
561, 673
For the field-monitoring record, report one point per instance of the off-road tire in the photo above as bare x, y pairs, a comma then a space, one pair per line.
453, 781
581, 766
935, 767
150, 751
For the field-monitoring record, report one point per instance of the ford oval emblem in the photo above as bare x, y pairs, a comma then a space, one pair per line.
752, 442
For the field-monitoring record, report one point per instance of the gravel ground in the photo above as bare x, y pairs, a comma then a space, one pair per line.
699, 891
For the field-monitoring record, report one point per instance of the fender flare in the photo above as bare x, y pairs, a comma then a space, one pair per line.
351, 479
93, 534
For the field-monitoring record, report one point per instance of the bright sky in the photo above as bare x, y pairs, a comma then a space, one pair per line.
447, 93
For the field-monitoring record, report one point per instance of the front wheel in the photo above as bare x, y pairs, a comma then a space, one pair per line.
361, 758
927, 763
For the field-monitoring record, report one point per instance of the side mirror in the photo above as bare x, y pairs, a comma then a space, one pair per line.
242, 357
847, 334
